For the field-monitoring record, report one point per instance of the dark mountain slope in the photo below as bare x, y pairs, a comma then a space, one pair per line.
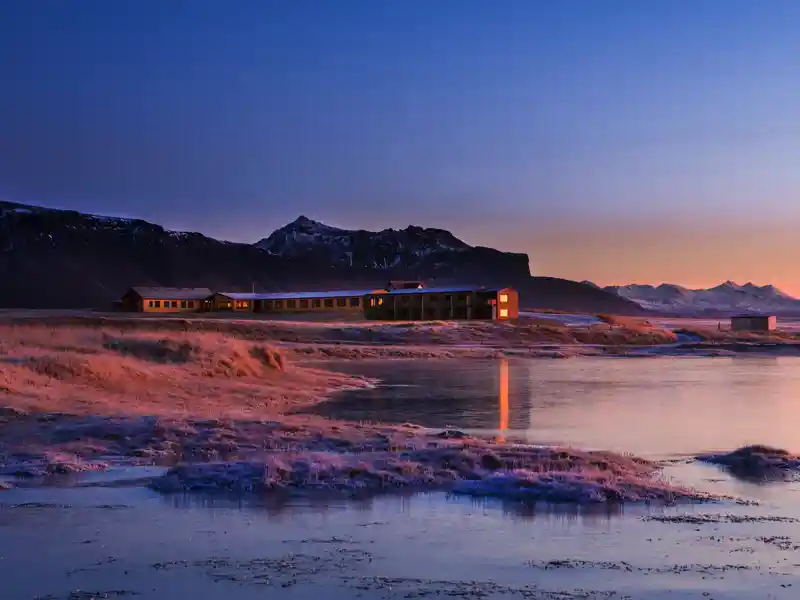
67, 259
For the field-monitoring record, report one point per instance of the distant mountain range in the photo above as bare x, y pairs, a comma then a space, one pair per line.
724, 299
67, 259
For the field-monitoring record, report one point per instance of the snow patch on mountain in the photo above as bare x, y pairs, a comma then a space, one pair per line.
385, 249
726, 298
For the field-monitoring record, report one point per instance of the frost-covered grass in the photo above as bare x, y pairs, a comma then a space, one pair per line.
461, 465
42, 464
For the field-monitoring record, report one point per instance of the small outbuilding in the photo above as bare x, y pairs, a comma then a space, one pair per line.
754, 323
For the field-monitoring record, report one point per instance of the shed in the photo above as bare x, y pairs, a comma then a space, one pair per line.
754, 322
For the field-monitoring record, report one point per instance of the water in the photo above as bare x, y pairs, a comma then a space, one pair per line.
83, 542
653, 407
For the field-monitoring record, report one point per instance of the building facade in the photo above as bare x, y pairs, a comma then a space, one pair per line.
445, 304
292, 302
754, 323
167, 300
407, 301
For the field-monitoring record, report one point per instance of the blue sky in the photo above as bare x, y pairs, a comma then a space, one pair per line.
532, 125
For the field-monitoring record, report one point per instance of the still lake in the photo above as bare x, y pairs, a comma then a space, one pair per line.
653, 407
128, 541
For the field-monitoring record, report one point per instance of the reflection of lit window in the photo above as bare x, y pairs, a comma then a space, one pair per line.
503, 297
503, 312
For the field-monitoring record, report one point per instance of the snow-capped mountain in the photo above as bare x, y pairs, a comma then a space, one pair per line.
384, 249
726, 298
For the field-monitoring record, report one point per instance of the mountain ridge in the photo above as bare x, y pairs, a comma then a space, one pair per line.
726, 298
57, 258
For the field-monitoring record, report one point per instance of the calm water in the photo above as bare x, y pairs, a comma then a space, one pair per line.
111, 542
659, 407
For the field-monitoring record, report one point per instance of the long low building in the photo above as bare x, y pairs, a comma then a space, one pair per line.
395, 302
287, 302
166, 299
428, 304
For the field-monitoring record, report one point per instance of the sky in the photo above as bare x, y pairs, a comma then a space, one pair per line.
619, 141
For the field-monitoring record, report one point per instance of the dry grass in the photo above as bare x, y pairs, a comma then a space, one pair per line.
94, 371
414, 337
72, 396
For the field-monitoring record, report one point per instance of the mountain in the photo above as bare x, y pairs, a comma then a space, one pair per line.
52, 258
433, 252
724, 299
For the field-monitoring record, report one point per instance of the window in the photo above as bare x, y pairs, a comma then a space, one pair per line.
157, 303
183, 303
355, 301
278, 304
266, 304
242, 304
303, 303
328, 302
503, 298
380, 301
316, 303
291, 304
503, 313
341, 302
174, 304
190, 304
149, 304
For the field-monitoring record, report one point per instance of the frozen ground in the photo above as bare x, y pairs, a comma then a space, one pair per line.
227, 409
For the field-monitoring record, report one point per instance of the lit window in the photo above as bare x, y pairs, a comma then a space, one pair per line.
503, 313
503, 297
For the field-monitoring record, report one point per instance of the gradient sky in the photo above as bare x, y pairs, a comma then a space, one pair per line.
618, 140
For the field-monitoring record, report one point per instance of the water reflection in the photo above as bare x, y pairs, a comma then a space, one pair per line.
502, 395
489, 396
656, 408
283, 508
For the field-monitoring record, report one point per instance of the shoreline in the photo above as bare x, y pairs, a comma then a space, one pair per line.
223, 412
